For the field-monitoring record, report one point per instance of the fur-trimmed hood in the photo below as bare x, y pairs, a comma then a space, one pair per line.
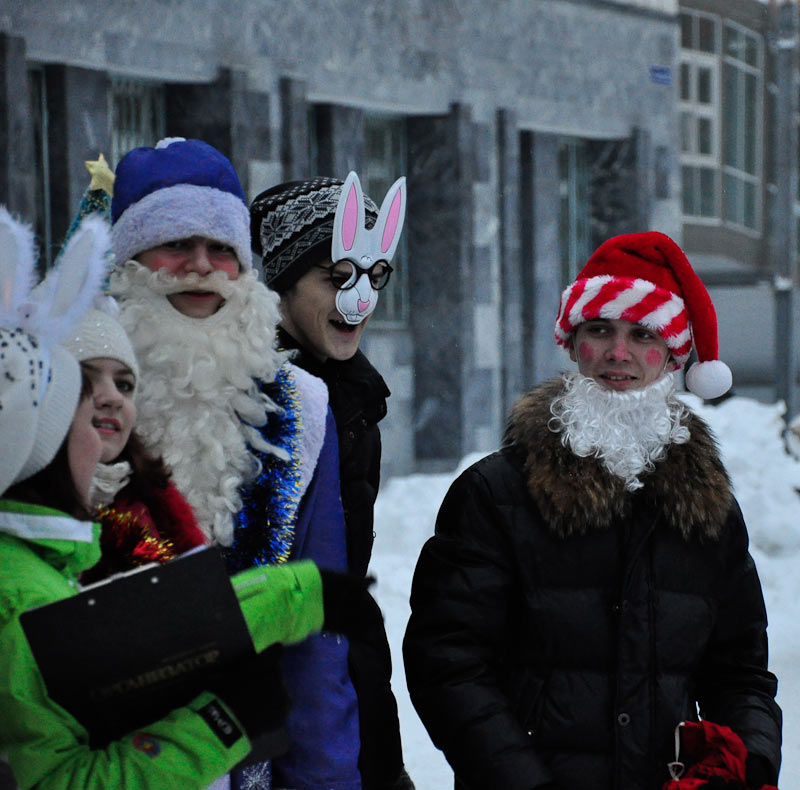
689, 489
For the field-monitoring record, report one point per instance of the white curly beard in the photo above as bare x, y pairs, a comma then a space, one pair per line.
628, 432
197, 399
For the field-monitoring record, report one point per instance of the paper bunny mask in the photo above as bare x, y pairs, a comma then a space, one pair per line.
363, 248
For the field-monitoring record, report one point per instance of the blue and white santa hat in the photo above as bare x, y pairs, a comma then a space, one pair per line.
180, 188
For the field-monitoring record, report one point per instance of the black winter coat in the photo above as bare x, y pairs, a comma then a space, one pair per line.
357, 395
561, 627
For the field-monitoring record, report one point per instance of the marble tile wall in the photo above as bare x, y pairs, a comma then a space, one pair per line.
16, 146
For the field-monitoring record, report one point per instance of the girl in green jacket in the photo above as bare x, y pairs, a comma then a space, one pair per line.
50, 448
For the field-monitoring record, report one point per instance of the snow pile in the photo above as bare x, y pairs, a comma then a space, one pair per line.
766, 479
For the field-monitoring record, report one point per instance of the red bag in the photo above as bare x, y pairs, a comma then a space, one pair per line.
709, 750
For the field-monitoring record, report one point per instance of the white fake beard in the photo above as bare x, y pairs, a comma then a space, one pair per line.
628, 432
198, 402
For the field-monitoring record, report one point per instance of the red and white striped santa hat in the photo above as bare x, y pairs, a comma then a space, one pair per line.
645, 278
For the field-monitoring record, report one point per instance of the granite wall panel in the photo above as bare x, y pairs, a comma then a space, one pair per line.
542, 257
16, 151
511, 284
294, 130
77, 107
439, 228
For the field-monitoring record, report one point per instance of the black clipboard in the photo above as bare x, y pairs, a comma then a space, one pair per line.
124, 652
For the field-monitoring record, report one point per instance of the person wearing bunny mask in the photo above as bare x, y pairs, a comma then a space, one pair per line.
327, 249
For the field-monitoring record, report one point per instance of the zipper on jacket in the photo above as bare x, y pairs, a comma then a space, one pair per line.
633, 544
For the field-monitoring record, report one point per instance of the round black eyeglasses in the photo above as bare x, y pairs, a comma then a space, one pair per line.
344, 274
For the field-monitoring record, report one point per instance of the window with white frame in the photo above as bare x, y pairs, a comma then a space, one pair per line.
384, 163
721, 85
136, 114
741, 144
574, 207
699, 111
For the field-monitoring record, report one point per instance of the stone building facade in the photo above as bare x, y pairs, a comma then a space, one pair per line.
738, 104
529, 130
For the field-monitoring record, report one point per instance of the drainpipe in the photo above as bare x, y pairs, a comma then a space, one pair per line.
785, 53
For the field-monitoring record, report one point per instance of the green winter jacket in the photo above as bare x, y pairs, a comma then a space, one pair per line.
42, 552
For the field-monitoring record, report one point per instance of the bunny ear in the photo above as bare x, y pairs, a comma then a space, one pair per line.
390, 219
17, 268
69, 289
348, 221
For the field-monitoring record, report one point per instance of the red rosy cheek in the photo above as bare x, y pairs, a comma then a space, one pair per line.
585, 352
654, 358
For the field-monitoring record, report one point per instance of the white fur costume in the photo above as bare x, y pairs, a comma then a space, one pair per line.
198, 399
628, 431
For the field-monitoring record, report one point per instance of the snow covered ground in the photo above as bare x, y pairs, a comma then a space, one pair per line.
766, 479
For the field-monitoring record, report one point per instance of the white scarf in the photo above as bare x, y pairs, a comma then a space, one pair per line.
108, 481
198, 400
628, 432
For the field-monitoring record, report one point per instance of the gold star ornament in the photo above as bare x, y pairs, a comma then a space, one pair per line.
102, 175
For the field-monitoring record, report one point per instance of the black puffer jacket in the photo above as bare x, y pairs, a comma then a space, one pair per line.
561, 627
357, 395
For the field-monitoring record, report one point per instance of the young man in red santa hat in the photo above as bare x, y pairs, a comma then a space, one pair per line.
589, 586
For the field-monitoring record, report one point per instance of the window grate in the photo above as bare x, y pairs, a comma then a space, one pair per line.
136, 111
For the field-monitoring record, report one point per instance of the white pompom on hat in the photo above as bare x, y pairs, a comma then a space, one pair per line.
645, 278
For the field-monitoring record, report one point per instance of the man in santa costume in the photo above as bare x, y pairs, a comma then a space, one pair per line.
589, 585
249, 437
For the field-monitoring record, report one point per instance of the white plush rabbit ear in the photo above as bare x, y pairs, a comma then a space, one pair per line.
390, 219
17, 268
348, 222
69, 289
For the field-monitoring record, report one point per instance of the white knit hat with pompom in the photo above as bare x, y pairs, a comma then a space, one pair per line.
40, 380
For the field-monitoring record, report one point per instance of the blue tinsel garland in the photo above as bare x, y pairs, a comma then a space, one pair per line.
264, 530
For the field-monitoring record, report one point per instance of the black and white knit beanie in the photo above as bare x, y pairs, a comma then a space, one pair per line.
291, 227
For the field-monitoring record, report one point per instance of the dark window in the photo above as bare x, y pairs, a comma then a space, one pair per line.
136, 110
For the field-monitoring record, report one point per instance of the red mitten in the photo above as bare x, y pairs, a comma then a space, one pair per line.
709, 756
